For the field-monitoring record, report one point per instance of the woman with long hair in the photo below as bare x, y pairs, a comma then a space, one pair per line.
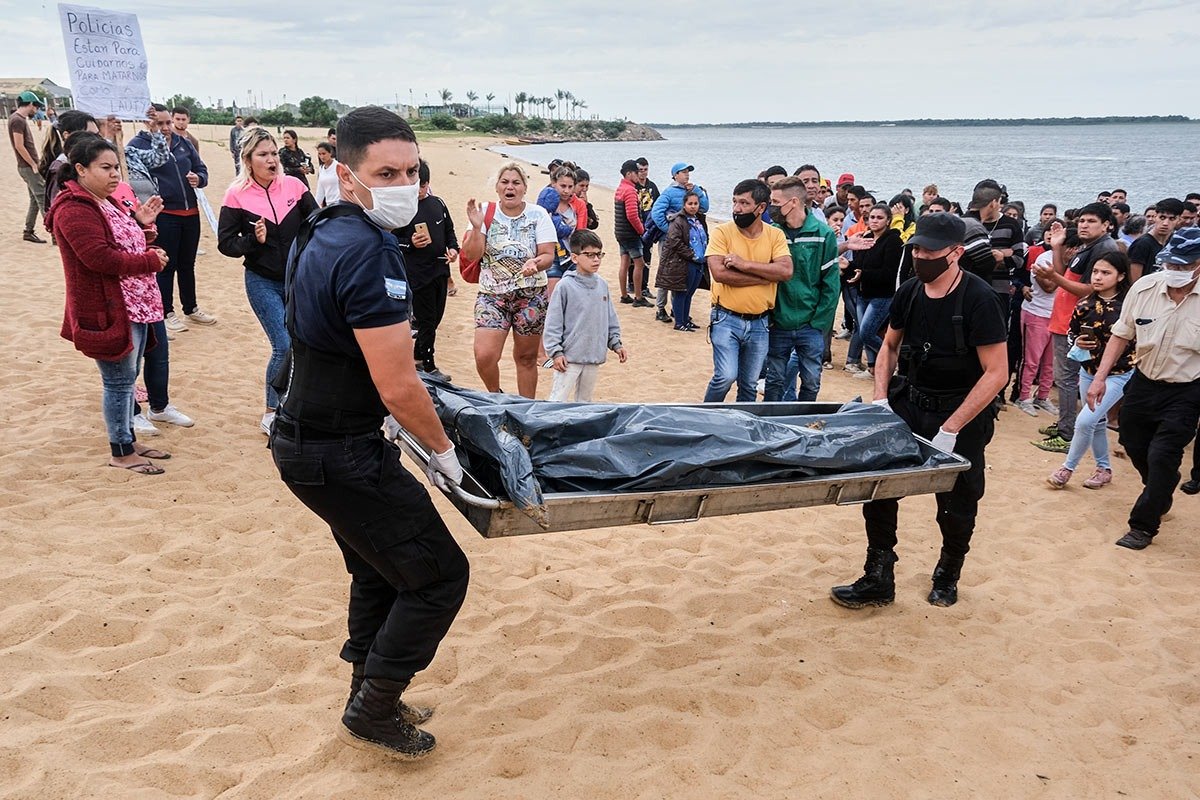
112, 297
1091, 328
294, 160
260, 217
514, 249
875, 272
53, 156
681, 262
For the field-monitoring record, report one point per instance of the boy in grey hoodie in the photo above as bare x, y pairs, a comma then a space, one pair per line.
581, 323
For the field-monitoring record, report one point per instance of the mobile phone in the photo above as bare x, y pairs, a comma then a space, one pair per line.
421, 228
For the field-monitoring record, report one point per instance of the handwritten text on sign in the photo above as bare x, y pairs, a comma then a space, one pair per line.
107, 61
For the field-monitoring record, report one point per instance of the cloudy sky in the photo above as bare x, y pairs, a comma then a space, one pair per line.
668, 62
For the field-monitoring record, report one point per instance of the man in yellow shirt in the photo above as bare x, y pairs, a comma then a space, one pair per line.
747, 259
1159, 413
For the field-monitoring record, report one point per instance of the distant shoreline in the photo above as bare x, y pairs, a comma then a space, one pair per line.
925, 123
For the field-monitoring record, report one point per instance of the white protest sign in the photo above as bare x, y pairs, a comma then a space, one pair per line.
106, 60
202, 201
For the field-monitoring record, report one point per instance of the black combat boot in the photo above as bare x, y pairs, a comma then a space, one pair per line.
877, 586
945, 580
373, 722
413, 715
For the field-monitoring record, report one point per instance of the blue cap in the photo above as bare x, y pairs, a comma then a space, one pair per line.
1183, 248
680, 167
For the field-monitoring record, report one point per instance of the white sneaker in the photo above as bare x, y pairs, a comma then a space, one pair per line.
171, 415
267, 419
202, 317
1028, 407
200, 252
174, 323
853, 369
1047, 406
760, 386
143, 426
864, 375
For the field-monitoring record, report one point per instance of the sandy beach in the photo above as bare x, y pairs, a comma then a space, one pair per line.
177, 636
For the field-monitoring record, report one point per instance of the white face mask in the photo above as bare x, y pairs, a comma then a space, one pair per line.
1179, 278
392, 206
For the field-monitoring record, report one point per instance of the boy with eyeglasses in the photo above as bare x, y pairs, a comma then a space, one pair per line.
581, 323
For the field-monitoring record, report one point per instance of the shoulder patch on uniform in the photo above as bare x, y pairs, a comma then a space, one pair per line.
396, 288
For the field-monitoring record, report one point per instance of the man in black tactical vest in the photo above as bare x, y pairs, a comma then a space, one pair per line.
347, 300
948, 336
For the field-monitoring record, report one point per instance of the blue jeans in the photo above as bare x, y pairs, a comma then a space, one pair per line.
872, 314
266, 300
157, 369
681, 302
739, 352
118, 378
1091, 427
807, 344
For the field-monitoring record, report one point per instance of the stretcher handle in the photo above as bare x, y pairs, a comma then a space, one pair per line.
406, 442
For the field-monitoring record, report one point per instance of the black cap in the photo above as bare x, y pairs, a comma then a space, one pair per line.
553, 165
629, 166
938, 230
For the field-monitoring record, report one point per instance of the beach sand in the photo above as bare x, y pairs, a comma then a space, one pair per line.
177, 636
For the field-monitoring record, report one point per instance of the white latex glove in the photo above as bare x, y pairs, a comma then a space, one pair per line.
883, 401
444, 469
945, 441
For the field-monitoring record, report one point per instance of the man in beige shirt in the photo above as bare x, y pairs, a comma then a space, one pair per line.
1161, 315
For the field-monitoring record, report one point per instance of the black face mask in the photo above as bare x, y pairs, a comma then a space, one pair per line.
930, 269
774, 213
744, 221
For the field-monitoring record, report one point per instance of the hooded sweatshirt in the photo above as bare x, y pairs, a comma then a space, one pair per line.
284, 204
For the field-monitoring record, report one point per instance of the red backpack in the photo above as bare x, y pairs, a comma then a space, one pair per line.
470, 269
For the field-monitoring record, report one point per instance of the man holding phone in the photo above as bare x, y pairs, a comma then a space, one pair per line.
430, 246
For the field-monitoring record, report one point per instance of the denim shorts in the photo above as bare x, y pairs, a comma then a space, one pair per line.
560, 268
631, 248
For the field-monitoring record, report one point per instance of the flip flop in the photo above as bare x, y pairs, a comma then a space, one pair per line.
151, 452
141, 469
452, 291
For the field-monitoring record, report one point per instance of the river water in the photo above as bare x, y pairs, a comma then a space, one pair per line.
1065, 164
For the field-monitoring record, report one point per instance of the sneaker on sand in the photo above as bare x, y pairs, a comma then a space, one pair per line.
864, 375
852, 368
265, 424
1100, 478
1046, 405
172, 416
1050, 431
201, 317
1051, 444
843, 335
827, 365
143, 426
1027, 406
174, 323
1059, 478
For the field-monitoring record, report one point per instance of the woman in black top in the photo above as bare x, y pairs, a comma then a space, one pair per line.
875, 272
294, 160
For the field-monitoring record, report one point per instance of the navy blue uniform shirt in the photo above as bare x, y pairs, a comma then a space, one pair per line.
351, 275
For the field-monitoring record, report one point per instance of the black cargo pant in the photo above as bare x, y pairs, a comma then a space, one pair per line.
408, 575
1157, 421
428, 308
957, 508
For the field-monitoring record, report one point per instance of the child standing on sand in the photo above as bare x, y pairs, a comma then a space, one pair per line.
581, 323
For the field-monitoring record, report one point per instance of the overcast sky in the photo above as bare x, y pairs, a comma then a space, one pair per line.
665, 61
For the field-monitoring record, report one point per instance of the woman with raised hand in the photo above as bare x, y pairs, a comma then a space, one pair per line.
875, 272
112, 297
260, 217
514, 243
295, 161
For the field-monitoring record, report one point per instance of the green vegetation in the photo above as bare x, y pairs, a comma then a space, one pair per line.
966, 123
316, 113
443, 122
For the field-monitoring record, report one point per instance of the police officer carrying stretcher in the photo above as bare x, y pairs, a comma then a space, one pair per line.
351, 364
947, 334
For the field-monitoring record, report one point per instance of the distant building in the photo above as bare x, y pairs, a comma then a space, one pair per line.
56, 96
459, 110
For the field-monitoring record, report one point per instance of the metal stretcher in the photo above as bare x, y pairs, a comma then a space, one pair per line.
495, 517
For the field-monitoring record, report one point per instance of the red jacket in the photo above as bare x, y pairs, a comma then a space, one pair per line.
95, 318
627, 224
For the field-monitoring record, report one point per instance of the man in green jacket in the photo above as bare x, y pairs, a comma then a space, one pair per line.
806, 303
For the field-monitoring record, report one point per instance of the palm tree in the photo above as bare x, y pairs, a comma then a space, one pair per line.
490, 97
559, 94
445, 94
472, 96
550, 104
520, 99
